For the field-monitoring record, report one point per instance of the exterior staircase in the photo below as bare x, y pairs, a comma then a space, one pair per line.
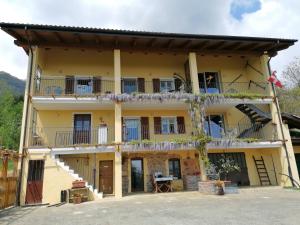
262, 171
258, 119
76, 176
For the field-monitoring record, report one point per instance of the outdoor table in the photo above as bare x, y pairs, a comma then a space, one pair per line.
162, 184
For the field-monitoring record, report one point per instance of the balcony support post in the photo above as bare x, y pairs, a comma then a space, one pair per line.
118, 127
194, 72
117, 71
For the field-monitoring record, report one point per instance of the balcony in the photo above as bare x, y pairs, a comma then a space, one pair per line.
68, 137
92, 86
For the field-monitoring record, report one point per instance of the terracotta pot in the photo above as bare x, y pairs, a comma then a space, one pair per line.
219, 190
77, 200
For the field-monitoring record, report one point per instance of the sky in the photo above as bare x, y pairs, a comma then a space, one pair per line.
265, 18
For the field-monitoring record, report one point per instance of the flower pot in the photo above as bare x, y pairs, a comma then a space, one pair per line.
76, 199
219, 190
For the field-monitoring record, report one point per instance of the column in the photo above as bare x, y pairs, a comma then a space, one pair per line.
118, 127
194, 72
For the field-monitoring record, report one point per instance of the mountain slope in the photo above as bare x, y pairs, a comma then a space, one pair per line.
9, 82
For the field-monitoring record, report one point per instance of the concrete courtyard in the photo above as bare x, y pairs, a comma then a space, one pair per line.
250, 206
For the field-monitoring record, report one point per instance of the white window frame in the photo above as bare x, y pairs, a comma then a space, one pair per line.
166, 80
168, 118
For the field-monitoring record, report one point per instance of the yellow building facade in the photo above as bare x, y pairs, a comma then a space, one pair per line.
113, 108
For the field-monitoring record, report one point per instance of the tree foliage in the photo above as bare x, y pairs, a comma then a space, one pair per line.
10, 120
291, 74
289, 96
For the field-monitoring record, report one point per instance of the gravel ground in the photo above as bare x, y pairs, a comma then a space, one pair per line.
252, 206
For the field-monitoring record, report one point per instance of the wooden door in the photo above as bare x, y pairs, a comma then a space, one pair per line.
106, 176
34, 191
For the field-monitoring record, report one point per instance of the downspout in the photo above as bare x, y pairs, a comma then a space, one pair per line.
281, 127
18, 197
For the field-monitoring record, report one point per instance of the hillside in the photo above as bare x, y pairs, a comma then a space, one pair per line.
9, 82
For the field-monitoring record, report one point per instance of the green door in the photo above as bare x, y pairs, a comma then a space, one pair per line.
297, 156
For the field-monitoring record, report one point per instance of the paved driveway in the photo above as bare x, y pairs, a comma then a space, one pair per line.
267, 206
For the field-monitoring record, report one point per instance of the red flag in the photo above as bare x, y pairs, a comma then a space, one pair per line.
274, 80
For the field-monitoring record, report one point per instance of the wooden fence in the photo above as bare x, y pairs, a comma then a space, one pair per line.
8, 177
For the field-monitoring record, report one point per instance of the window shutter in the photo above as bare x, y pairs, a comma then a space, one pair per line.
145, 128
156, 85
69, 85
178, 84
96, 84
157, 125
180, 125
141, 85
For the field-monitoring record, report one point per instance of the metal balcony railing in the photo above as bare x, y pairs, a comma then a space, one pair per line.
66, 86
141, 85
144, 133
245, 131
63, 137
250, 87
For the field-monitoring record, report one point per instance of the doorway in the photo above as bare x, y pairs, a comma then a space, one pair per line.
34, 190
82, 129
241, 177
137, 175
209, 83
297, 157
106, 174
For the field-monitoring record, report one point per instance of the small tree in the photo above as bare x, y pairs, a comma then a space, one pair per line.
226, 166
291, 74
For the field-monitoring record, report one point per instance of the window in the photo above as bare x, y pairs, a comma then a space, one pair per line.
84, 86
214, 126
174, 168
209, 82
132, 129
167, 85
129, 85
168, 125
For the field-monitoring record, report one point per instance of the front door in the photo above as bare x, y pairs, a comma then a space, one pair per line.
82, 129
34, 189
106, 176
132, 129
137, 175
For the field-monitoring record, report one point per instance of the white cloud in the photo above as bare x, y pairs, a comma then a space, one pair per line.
275, 18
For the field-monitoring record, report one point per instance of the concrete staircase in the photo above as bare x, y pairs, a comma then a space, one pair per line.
76, 176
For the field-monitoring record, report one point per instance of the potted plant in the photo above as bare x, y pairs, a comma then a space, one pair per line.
219, 187
226, 166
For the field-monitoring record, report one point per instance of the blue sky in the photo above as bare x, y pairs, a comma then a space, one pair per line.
240, 7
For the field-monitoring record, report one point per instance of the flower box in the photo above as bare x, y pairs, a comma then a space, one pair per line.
78, 184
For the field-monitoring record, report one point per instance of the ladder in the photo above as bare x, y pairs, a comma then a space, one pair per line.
262, 171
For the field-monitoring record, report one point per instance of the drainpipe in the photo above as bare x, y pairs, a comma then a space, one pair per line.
26, 101
281, 126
